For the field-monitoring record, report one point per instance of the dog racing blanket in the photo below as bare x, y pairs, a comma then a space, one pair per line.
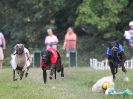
53, 58
27, 59
120, 49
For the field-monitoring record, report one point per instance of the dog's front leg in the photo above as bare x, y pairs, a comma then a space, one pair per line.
52, 70
14, 75
113, 71
112, 68
26, 72
24, 68
21, 74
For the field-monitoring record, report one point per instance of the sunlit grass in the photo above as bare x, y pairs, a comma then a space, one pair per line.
76, 85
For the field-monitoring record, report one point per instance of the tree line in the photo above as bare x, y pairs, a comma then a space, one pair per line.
99, 20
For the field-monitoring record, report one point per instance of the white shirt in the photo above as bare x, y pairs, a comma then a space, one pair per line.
1, 38
51, 39
128, 34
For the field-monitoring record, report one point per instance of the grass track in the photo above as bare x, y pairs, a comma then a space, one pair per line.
76, 85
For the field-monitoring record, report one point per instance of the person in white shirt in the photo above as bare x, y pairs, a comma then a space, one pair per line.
51, 40
2, 48
129, 36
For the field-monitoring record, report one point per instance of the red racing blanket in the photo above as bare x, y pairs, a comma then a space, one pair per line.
53, 58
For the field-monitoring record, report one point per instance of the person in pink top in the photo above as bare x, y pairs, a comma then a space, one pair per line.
70, 40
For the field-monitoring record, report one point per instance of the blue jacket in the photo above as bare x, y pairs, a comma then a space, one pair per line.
115, 58
120, 49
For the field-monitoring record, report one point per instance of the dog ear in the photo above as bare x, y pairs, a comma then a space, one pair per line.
23, 45
16, 46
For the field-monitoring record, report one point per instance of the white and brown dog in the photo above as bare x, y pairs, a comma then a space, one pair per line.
20, 61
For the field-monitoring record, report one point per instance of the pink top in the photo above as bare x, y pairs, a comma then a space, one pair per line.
70, 42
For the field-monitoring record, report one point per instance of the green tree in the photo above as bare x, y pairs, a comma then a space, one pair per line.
103, 14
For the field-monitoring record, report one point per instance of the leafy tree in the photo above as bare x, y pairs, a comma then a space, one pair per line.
29, 18
103, 14
26, 21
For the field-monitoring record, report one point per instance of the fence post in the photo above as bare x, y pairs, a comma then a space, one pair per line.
36, 59
91, 62
95, 63
73, 58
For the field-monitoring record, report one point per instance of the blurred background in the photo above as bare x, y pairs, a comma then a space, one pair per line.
95, 22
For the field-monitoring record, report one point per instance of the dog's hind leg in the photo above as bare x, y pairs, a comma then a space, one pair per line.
62, 71
123, 68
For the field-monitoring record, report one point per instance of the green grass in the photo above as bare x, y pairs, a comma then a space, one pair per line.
76, 85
